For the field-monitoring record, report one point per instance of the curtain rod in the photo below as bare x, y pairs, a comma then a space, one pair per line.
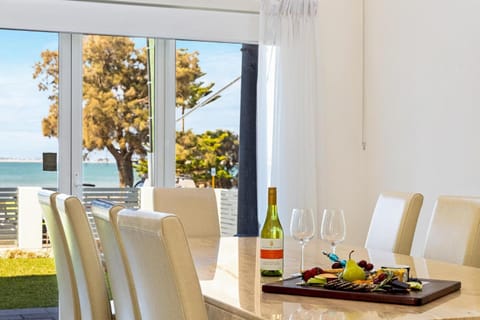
170, 6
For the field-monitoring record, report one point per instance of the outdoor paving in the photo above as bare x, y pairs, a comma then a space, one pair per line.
30, 314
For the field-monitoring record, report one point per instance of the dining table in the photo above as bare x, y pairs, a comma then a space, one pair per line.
229, 274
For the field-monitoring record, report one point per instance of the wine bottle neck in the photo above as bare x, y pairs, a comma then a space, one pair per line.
272, 212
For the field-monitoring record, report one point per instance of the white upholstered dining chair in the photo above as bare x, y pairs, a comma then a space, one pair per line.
118, 270
196, 208
88, 269
454, 233
394, 221
162, 265
68, 303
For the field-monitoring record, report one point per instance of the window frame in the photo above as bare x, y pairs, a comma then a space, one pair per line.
232, 22
156, 19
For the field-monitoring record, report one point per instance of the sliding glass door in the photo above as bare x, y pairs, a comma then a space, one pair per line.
91, 114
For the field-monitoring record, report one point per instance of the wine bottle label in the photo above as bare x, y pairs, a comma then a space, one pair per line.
271, 254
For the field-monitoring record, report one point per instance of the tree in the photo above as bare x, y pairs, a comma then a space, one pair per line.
115, 96
197, 154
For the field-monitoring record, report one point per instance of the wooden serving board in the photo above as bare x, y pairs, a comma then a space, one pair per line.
432, 289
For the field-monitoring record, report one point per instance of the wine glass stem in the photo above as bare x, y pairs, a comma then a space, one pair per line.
301, 260
333, 247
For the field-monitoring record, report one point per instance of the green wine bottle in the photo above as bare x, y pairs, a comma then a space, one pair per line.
271, 239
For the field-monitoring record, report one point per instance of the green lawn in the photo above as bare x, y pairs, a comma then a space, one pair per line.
27, 283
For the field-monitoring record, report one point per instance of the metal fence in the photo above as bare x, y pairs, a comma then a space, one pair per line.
8, 215
127, 197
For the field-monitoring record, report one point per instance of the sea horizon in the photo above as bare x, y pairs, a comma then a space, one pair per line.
14, 173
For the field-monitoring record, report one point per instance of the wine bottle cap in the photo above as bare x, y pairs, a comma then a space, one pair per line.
272, 195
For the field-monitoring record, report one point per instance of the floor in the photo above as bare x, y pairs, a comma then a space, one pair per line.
31, 314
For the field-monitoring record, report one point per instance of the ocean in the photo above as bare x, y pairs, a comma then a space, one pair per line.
13, 174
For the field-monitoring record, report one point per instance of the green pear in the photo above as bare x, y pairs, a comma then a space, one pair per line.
352, 271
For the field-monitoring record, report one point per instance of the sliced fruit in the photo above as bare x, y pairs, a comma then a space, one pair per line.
333, 270
414, 285
328, 276
317, 280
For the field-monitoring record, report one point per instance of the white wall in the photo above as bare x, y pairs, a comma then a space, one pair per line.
422, 87
342, 174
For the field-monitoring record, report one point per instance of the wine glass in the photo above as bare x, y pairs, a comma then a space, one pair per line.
302, 228
333, 227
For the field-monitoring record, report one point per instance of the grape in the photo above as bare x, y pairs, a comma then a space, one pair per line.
362, 263
336, 265
369, 267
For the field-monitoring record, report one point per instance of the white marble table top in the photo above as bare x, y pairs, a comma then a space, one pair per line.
228, 269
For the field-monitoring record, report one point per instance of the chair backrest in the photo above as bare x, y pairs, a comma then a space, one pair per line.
162, 265
118, 271
454, 234
88, 269
196, 208
394, 221
68, 303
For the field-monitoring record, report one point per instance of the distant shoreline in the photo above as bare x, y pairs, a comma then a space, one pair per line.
19, 160
40, 161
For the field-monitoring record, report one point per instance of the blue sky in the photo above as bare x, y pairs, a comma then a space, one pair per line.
23, 106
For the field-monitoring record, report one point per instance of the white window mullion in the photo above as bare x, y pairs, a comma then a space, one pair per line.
69, 114
169, 112
77, 118
163, 161
64, 112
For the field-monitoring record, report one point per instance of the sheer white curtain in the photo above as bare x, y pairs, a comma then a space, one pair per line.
288, 105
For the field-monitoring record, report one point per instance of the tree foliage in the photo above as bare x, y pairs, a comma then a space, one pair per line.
198, 154
47, 73
115, 96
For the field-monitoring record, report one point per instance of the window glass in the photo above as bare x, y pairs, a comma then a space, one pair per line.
25, 99
207, 113
116, 110
28, 157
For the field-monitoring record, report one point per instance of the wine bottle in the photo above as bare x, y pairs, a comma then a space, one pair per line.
271, 239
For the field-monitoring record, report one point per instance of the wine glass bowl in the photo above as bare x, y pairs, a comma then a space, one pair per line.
302, 228
333, 227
